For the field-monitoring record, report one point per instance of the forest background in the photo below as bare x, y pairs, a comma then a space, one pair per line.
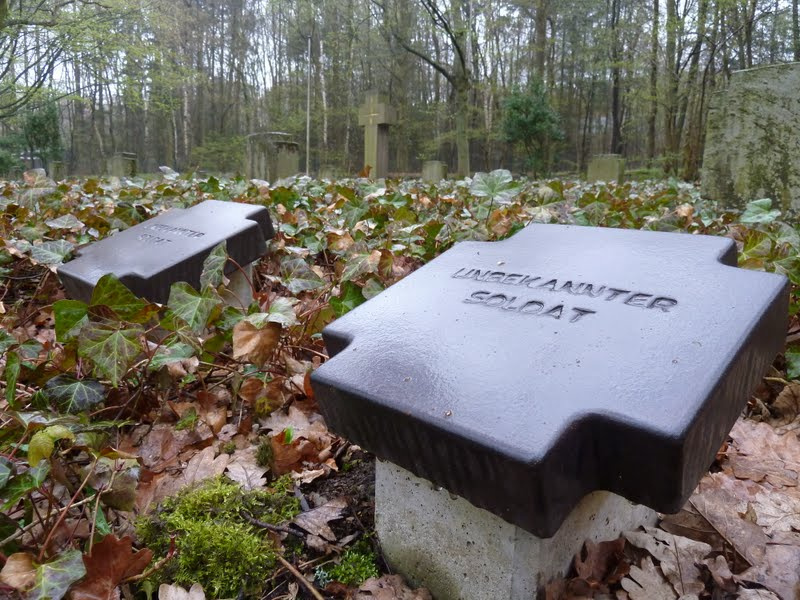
180, 83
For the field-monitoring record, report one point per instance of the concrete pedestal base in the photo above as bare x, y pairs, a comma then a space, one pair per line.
460, 552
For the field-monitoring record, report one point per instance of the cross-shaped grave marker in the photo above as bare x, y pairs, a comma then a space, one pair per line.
524, 374
376, 116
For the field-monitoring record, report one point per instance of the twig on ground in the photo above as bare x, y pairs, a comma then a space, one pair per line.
299, 576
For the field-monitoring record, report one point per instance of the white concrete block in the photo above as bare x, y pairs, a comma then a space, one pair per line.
460, 552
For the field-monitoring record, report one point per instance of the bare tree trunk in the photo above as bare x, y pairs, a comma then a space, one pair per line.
796, 29
651, 121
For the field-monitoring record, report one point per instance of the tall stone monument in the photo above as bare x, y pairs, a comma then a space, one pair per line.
376, 116
752, 145
272, 155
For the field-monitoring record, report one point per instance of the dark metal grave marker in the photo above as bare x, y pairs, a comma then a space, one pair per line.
524, 374
151, 256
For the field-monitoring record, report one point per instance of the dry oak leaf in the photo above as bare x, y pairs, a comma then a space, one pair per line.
255, 344
176, 592
110, 563
722, 500
760, 453
779, 572
786, 406
745, 594
315, 521
647, 583
245, 470
19, 572
389, 587
602, 563
678, 556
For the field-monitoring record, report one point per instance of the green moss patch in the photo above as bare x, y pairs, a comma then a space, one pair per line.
217, 546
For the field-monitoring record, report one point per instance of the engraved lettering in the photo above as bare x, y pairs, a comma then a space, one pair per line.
568, 287
510, 305
496, 300
614, 292
555, 312
636, 299
479, 275
512, 278
551, 285
529, 280
663, 303
531, 304
153, 239
580, 313
588, 290
457, 274
477, 297
495, 277
182, 231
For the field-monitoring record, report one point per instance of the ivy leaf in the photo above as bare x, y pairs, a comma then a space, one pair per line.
112, 348
74, 395
174, 351
372, 288
68, 221
281, 310
111, 292
43, 443
350, 297
11, 374
70, 315
6, 340
6, 468
214, 266
19, 486
353, 212
54, 578
793, 364
361, 264
758, 211
298, 277
193, 307
51, 253
498, 185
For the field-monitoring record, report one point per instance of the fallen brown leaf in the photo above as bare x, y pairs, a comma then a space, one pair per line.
721, 573
254, 344
110, 563
678, 557
19, 572
647, 583
176, 592
315, 521
389, 587
721, 500
602, 563
761, 453
245, 470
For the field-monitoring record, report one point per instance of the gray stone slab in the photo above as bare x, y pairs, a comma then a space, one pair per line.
151, 256
752, 147
606, 167
524, 374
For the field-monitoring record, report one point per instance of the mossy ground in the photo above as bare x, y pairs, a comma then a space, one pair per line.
217, 546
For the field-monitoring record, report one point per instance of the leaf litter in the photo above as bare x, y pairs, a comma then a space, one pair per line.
227, 393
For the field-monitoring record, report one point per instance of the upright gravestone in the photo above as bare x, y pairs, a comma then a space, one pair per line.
752, 147
433, 171
606, 167
272, 155
58, 170
523, 375
375, 117
122, 164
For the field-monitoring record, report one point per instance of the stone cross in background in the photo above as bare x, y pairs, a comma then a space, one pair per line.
376, 116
